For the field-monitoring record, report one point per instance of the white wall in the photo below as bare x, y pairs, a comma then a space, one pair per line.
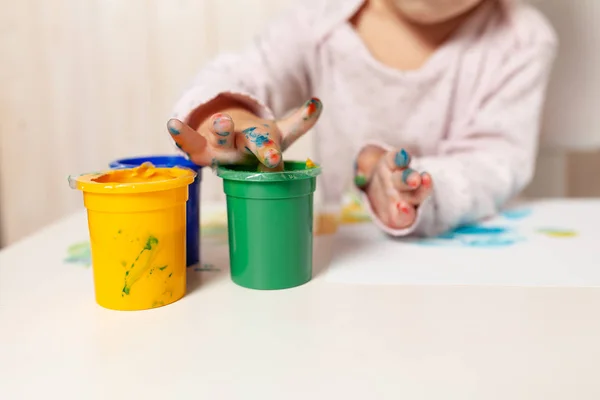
85, 82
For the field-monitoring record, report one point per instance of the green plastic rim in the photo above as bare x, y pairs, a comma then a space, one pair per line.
293, 170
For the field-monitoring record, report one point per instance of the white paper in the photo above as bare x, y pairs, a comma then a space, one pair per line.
518, 251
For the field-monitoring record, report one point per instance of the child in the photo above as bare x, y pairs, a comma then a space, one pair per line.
433, 105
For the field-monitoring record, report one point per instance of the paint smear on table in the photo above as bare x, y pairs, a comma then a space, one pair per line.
484, 236
79, 253
516, 214
207, 268
557, 233
476, 236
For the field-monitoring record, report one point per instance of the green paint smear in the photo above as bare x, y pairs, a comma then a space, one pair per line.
79, 253
158, 304
162, 268
152, 241
150, 245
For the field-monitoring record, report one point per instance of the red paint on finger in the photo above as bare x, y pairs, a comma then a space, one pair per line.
272, 158
426, 180
312, 106
403, 208
413, 182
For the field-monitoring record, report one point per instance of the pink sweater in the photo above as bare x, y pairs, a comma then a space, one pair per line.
470, 116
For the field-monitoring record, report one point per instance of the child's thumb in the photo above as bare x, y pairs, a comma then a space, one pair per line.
299, 122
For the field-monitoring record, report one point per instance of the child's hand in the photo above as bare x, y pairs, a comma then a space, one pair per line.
394, 190
236, 139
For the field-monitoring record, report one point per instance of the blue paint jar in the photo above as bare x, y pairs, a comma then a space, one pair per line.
193, 203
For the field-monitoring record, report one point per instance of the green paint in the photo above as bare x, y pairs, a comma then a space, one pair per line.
152, 241
360, 181
130, 280
162, 268
119, 231
170, 274
123, 263
79, 253
158, 304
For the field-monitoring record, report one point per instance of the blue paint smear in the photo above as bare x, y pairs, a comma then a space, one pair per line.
516, 214
475, 236
480, 230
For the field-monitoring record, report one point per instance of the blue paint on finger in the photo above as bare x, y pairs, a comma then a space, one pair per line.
259, 139
173, 131
406, 174
222, 133
402, 159
222, 141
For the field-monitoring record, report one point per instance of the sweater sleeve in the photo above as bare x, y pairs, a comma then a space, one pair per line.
492, 159
269, 76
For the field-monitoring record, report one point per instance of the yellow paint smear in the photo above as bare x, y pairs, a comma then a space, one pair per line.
558, 233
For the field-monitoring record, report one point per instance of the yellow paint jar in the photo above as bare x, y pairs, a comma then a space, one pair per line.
137, 225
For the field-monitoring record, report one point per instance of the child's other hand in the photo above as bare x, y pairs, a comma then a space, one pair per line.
237, 138
395, 191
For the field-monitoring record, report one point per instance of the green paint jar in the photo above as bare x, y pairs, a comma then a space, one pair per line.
270, 222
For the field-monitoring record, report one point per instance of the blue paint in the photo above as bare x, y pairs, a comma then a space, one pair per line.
222, 141
192, 205
475, 236
480, 230
516, 214
257, 138
173, 131
405, 174
402, 159
222, 133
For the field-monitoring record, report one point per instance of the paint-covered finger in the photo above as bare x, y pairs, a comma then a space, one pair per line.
259, 141
406, 180
222, 130
402, 214
300, 122
187, 139
418, 196
398, 160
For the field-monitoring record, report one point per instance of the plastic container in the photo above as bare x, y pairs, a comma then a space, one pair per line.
137, 235
270, 222
193, 203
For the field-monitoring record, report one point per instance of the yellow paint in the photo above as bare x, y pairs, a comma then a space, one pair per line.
310, 163
144, 173
136, 220
557, 233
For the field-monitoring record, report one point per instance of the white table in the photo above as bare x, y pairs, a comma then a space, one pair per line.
317, 341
